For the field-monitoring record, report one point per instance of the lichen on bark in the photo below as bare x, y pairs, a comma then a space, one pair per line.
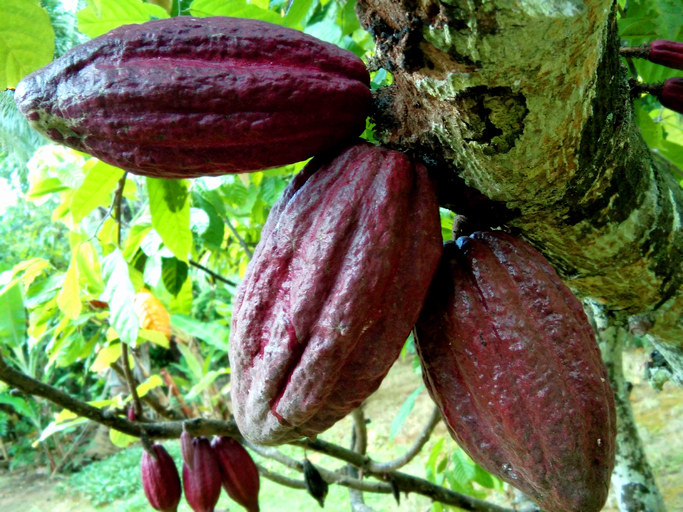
522, 110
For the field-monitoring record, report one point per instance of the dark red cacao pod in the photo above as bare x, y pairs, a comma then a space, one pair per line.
185, 97
509, 357
666, 53
202, 478
332, 291
671, 95
238, 471
160, 479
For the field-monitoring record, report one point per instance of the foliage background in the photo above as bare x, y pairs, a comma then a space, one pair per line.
63, 246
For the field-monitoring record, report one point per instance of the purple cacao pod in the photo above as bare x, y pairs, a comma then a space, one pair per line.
160, 479
332, 291
202, 483
666, 53
185, 97
671, 95
509, 357
238, 471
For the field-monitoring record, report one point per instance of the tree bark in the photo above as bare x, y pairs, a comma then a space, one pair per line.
632, 478
522, 111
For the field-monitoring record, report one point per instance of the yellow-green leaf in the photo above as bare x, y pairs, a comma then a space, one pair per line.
99, 17
155, 337
153, 382
69, 297
120, 439
169, 203
106, 357
96, 189
234, 8
27, 42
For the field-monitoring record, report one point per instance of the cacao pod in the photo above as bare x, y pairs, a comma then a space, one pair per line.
671, 95
160, 479
509, 357
202, 478
332, 291
238, 472
185, 97
152, 313
666, 53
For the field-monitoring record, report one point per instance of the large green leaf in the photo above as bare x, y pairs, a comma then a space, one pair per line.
99, 183
169, 202
27, 41
173, 274
120, 294
12, 316
69, 297
234, 8
101, 16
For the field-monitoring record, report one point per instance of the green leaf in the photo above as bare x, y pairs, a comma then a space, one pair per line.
156, 337
212, 333
19, 404
234, 8
96, 189
106, 357
135, 237
69, 297
326, 30
27, 42
403, 413
297, 13
173, 274
204, 383
192, 362
120, 294
101, 16
120, 439
89, 271
170, 206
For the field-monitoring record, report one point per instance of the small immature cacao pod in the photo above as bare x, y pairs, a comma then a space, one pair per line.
671, 95
185, 97
332, 291
160, 479
238, 472
202, 483
666, 53
509, 357
315, 485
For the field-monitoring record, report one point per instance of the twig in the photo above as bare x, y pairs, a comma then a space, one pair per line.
244, 245
130, 380
152, 401
118, 200
404, 459
207, 427
359, 445
212, 273
281, 479
175, 391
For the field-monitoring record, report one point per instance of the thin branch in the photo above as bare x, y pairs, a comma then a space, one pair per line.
244, 244
151, 400
419, 443
118, 200
72, 449
213, 274
281, 479
359, 445
207, 427
130, 381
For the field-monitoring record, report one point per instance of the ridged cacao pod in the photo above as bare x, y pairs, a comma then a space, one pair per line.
666, 53
238, 472
202, 478
671, 95
509, 357
185, 97
160, 479
332, 291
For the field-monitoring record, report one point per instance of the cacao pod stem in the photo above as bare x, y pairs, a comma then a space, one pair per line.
160, 479
238, 471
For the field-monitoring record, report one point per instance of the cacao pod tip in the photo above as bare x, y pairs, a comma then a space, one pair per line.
315, 485
160, 479
666, 53
671, 94
187, 448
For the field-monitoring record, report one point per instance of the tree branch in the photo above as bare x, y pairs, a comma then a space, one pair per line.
213, 274
130, 381
244, 245
207, 427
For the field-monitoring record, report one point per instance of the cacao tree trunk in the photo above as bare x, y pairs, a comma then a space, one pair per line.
632, 478
522, 111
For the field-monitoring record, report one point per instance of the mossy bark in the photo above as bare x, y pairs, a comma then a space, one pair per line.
522, 111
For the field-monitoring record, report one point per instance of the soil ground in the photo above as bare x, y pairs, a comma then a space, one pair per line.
659, 416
